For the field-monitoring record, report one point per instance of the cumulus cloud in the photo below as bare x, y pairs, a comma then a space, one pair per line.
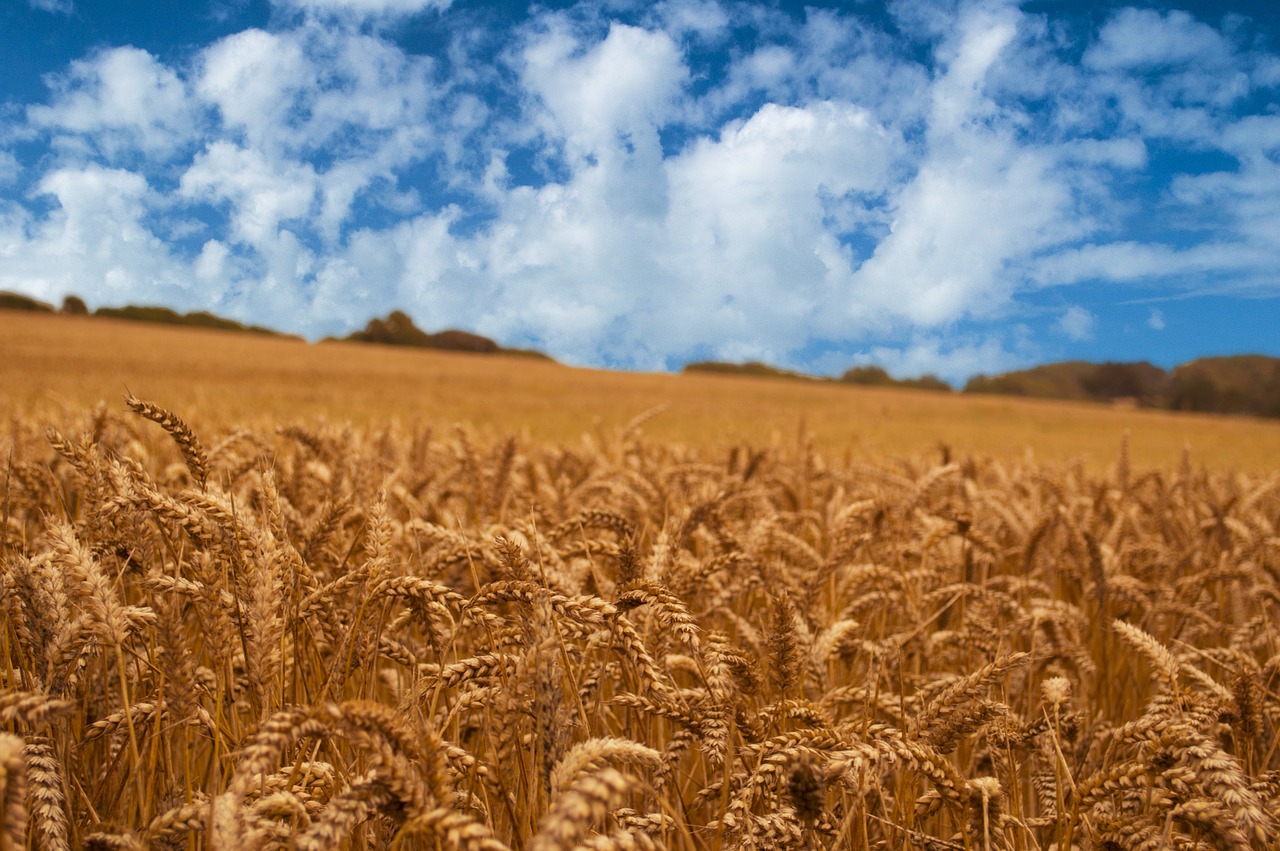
94, 241
1077, 323
635, 187
354, 101
744, 263
254, 78
121, 99
261, 195
979, 205
615, 93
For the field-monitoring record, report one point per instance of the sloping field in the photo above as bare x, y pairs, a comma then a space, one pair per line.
53, 365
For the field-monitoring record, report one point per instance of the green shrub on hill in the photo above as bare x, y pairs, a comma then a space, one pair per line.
16, 301
875, 376
1242, 384
1100, 382
166, 316
1141, 380
462, 341
398, 329
872, 376
751, 368
73, 305
1245, 384
1050, 381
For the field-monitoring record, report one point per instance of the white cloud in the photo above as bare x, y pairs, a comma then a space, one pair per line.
1129, 153
93, 243
953, 360
261, 193
354, 99
635, 259
368, 83
1138, 39
211, 264
366, 8
1242, 202
1127, 261
1136, 262
122, 99
978, 207
1155, 321
254, 78
1077, 324
705, 18
749, 242
10, 168
962, 230
56, 7
1166, 75
612, 94
958, 97
416, 265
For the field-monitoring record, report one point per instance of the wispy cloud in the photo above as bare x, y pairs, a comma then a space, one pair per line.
56, 7
632, 187
364, 8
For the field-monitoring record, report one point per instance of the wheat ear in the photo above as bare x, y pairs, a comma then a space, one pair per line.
188, 444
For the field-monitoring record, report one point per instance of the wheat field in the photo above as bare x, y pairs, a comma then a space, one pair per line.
322, 636
53, 368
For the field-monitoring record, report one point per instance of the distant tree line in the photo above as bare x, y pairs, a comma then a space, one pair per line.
1243, 384
397, 329
875, 376
73, 305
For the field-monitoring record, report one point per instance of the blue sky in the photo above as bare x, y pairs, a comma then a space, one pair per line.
945, 186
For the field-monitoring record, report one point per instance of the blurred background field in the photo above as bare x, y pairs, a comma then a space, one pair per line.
53, 366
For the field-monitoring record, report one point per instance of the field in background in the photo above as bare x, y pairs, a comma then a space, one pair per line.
52, 365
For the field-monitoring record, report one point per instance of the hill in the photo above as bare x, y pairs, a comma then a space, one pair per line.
51, 364
1079, 380
74, 306
867, 376
398, 329
1241, 384
754, 369
16, 301
195, 319
1245, 384
875, 376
